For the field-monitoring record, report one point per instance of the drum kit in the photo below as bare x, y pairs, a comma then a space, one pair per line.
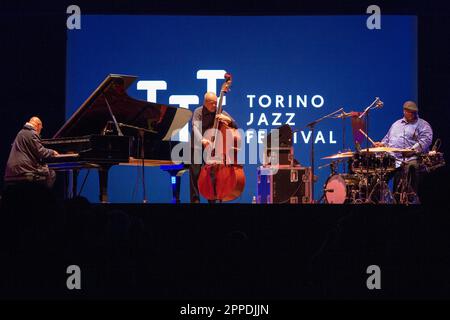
370, 169
366, 180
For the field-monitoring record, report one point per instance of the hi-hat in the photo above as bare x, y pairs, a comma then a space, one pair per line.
348, 154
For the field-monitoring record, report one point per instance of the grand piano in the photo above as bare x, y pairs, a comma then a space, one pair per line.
108, 129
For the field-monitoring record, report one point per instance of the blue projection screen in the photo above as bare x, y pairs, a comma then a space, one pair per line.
291, 69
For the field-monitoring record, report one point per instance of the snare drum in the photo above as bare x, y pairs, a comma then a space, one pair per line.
372, 163
341, 188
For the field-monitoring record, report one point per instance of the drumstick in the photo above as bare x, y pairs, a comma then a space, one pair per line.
371, 141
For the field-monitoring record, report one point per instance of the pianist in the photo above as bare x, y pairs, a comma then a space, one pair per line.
25, 162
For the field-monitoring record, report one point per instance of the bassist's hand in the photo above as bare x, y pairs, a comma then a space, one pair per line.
206, 143
378, 144
224, 118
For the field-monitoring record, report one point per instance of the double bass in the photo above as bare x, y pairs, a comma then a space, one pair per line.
222, 178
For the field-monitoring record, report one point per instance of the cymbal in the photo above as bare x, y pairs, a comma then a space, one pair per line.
387, 149
348, 154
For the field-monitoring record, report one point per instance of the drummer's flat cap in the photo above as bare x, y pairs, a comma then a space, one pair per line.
410, 106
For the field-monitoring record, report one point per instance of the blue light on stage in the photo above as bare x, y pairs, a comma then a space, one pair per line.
286, 70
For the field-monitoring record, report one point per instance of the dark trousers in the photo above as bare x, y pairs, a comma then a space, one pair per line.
194, 173
46, 178
409, 174
51, 178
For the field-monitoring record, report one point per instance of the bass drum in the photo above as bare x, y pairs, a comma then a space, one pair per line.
341, 188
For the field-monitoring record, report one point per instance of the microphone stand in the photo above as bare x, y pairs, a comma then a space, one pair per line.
366, 112
141, 144
344, 115
311, 126
343, 142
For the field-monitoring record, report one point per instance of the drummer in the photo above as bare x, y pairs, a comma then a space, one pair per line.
410, 132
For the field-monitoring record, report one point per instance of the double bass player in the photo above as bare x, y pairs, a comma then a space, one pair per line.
202, 120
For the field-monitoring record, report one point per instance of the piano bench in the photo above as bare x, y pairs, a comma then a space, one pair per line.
26, 178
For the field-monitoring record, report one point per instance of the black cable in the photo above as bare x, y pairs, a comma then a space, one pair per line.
285, 201
138, 173
142, 152
84, 181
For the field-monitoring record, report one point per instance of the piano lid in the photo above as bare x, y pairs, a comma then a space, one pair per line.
93, 115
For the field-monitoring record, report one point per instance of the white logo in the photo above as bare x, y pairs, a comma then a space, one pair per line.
183, 101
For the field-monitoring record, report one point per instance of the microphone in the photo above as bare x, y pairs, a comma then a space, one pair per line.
344, 115
348, 114
379, 104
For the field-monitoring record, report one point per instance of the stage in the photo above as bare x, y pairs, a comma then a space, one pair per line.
322, 57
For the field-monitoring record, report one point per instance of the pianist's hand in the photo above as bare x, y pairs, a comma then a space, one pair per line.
55, 153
